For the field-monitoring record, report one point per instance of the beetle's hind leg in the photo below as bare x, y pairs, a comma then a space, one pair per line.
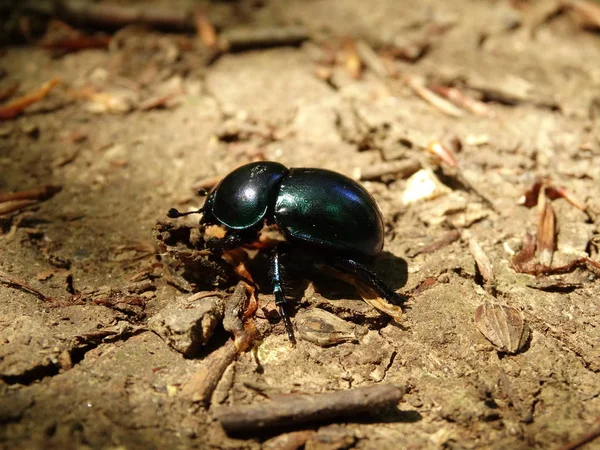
280, 300
367, 276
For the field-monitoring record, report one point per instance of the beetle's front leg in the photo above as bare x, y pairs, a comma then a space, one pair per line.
280, 300
234, 239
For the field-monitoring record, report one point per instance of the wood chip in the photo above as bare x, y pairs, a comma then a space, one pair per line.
546, 231
352, 61
443, 153
481, 259
205, 29
503, 326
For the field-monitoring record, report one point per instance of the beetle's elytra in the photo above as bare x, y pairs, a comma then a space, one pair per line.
324, 212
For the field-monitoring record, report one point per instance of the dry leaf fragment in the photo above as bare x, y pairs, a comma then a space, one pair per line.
503, 326
531, 195
525, 255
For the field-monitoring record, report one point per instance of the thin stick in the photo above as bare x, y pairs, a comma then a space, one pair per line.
297, 409
396, 169
585, 439
17, 205
445, 240
41, 193
18, 105
236, 40
114, 16
21, 285
440, 103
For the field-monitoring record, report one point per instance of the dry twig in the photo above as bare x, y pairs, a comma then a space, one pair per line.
298, 409
41, 193
235, 40
371, 59
200, 387
392, 169
444, 241
17, 205
585, 439
62, 37
441, 104
463, 101
17, 106
21, 285
114, 16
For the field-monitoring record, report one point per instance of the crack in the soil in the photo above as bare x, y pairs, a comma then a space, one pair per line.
549, 333
76, 355
389, 364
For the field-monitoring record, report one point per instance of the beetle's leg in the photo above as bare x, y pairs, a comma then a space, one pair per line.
234, 239
280, 300
367, 276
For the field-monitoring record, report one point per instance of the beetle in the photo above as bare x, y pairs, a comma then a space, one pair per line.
318, 211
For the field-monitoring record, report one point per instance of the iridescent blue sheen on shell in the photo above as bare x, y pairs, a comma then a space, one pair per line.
330, 210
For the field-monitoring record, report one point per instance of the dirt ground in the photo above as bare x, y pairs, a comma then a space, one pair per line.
86, 371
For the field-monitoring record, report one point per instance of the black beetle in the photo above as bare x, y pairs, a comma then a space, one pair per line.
321, 211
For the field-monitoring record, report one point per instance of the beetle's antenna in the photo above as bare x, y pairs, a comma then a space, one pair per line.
174, 213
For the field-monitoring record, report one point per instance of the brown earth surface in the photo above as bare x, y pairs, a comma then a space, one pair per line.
85, 371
